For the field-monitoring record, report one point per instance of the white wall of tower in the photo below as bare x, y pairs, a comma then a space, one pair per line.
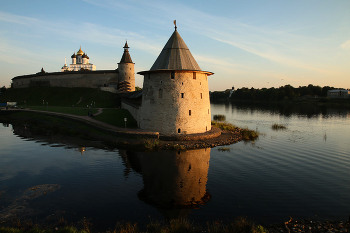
178, 105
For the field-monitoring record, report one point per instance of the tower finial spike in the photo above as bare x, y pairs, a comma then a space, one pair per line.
175, 25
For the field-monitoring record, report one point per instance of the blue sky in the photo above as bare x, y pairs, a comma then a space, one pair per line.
256, 44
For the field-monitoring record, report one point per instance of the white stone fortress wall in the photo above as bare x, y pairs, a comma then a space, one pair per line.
91, 79
176, 103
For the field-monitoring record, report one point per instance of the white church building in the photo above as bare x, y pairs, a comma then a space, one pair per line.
80, 61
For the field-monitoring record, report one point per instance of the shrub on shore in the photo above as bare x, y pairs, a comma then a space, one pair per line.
150, 144
219, 117
276, 126
248, 134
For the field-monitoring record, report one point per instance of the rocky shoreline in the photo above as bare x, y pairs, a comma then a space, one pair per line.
308, 226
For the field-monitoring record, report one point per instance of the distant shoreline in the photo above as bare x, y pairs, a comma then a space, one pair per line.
322, 101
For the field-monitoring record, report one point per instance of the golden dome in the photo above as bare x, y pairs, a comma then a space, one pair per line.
80, 52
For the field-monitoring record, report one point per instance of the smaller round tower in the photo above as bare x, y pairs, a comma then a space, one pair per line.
126, 71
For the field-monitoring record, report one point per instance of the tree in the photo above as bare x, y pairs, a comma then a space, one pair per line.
3, 89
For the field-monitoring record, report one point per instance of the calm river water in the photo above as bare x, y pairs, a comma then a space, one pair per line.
303, 172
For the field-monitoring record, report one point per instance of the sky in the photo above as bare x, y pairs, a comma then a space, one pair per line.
261, 43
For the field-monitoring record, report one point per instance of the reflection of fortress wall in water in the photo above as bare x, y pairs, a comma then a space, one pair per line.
53, 139
172, 180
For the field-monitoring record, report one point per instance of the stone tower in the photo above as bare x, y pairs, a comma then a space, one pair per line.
126, 82
175, 98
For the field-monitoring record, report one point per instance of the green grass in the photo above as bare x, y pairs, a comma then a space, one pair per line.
247, 134
113, 117
67, 110
38, 230
59, 96
150, 144
223, 125
116, 117
239, 225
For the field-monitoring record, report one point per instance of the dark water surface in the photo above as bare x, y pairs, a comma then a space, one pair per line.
303, 171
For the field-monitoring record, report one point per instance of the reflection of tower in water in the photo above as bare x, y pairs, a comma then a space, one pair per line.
174, 181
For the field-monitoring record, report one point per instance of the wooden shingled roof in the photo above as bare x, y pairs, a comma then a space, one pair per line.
175, 56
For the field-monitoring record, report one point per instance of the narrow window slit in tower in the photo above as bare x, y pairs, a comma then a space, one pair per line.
194, 75
189, 112
172, 75
182, 95
179, 130
201, 96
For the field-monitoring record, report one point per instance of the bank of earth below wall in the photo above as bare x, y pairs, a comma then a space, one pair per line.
89, 79
134, 111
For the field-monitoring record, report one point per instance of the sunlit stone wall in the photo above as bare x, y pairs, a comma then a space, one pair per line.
175, 103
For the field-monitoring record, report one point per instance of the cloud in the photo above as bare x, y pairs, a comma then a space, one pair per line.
10, 18
64, 30
279, 46
346, 45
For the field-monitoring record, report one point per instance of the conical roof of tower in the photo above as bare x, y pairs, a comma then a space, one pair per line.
126, 58
175, 56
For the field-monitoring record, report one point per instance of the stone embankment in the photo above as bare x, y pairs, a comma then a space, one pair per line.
221, 138
140, 139
309, 226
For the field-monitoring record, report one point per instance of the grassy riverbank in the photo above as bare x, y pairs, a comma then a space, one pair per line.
119, 139
239, 225
59, 96
77, 111
70, 127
